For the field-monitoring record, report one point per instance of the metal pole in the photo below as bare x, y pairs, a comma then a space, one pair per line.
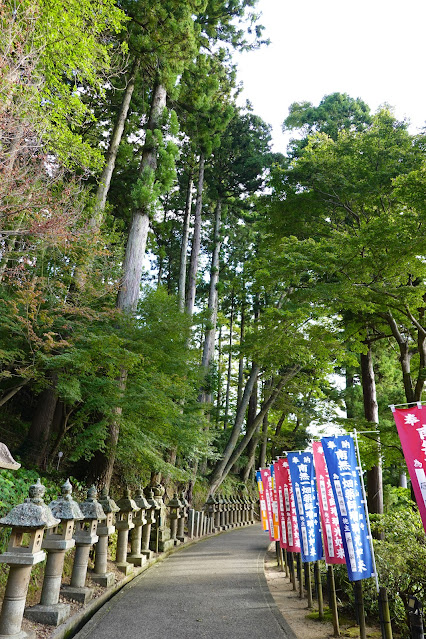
277, 552
281, 560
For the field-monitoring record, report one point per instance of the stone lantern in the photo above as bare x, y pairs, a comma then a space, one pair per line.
85, 536
226, 511
28, 522
136, 557
56, 541
246, 510
183, 517
221, 503
124, 524
231, 507
209, 509
175, 514
100, 572
160, 534
150, 520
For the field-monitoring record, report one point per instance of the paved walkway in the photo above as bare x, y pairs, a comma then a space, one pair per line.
215, 589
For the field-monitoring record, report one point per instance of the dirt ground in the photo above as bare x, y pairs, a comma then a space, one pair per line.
295, 610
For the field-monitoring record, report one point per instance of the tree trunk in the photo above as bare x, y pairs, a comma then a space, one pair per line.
215, 477
277, 433
128, 294
209, 340
111, 156
251, 454
184, 245
229, 368
263, 441
371, 413
196, 242
234, 452
241, 358
34, 447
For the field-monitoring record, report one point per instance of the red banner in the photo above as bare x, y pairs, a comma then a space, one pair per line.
411, 425
333, 545
266, 480
280, 502
275, 516
293, 541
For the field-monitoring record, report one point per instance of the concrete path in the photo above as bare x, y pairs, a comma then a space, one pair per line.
215, 589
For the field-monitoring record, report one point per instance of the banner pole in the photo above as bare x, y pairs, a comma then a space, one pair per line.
308, 579
300, 571
364, 496
292, 571
318, 584
333, 601
359, 603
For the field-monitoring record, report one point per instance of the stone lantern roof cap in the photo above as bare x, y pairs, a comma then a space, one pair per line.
91, 508
140, 499
33, 513
107, 503
65, 507
210, 500
150, 498
126, 504
174, 503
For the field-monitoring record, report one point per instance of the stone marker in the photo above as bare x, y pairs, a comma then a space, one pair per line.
85, 536
124, 524
209, 508
106, 528
137, 558
56, 541
28, 522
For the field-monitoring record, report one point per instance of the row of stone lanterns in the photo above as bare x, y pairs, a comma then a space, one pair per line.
38, 529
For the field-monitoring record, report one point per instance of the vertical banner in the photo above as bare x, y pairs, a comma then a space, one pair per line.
411, 425
343, 470
275, 517
293, 538
266, 480
279, 483
262, 501
333, 544
305, 496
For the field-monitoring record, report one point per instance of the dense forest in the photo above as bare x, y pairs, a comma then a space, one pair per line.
178, 300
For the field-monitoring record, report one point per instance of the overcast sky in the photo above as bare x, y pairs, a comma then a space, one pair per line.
372, 49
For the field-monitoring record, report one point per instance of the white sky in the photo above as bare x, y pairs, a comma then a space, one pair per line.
372, 49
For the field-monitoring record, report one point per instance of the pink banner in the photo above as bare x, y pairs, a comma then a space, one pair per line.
262, 501
280, 501
293, 540
266, 480
333, 545
411, 425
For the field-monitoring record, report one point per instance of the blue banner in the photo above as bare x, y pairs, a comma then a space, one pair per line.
342, 467
302, 475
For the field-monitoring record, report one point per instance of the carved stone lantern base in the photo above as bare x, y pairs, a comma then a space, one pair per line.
105, 580
166, 545
139, 559
125, 567
147, 553
82, 594
52, 615
21, 635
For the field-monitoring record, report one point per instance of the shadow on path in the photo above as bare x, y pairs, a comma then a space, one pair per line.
215, 589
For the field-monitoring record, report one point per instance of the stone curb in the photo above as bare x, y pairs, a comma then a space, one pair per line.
75, 623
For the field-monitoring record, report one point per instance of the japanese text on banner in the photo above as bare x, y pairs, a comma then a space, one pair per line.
305, 496
262, 502
411, 425
275, 516
266, 480
333, 544
279, 483
342, 467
